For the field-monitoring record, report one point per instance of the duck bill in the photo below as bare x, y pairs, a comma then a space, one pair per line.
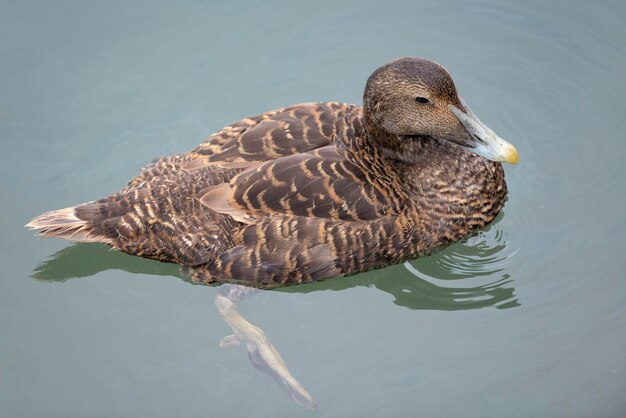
486, 143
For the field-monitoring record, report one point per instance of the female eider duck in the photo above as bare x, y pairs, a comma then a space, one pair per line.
312, 191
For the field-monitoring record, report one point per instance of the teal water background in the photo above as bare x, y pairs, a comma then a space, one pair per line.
528, 318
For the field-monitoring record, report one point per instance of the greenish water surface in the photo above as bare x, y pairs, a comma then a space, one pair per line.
528, 318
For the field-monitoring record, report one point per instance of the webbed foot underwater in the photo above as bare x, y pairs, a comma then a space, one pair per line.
312, 191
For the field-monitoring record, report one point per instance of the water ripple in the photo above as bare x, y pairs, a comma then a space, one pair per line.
468, 275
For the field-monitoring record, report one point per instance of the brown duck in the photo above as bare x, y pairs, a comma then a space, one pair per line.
311, 191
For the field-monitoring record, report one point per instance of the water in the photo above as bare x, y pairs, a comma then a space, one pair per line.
526, 319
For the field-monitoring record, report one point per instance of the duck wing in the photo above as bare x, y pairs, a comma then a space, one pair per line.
309, 216
323, 183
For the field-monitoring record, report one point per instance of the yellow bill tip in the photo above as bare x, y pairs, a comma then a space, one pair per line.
510, 154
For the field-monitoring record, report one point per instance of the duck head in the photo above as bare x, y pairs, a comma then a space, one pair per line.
411, 100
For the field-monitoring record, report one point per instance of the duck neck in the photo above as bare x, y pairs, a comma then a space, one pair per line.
404, 149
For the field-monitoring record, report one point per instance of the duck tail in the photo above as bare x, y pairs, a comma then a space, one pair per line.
64, 223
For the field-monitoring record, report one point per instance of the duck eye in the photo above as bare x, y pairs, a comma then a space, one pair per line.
421, 100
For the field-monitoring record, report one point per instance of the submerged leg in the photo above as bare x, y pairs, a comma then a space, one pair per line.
262, 352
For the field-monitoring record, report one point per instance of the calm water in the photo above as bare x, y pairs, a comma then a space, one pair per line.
526, 319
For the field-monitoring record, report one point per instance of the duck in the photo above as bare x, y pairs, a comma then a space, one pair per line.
311, 191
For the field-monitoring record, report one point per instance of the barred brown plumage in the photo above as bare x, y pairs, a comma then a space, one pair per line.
311, 191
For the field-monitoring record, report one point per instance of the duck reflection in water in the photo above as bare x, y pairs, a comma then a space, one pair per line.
467, 275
